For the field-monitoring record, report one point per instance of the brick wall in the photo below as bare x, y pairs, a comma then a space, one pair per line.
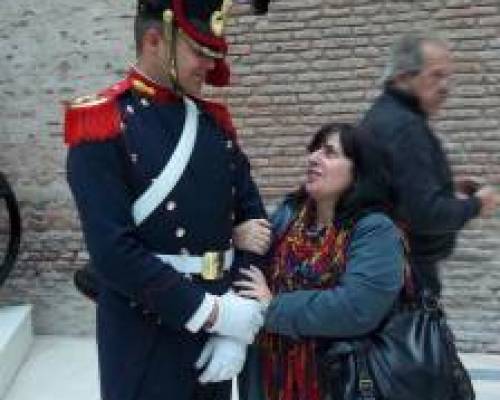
306, 63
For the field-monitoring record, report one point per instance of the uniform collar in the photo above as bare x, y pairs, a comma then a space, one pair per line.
149, 88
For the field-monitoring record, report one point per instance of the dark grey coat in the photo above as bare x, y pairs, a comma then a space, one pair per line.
422, 180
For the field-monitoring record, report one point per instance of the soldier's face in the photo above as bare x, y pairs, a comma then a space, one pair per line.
192, 67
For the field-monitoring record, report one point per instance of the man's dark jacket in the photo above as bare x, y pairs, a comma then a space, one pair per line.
422, 180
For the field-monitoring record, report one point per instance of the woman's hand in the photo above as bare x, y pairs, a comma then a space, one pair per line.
253, 235
255, 287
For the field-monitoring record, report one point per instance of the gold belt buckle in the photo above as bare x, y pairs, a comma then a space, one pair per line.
213, 265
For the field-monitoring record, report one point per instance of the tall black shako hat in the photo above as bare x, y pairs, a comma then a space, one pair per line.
200, 22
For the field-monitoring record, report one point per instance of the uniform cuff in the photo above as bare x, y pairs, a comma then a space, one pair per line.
201, 315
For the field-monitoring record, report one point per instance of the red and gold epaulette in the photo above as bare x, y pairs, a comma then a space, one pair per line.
222, 116
94, 118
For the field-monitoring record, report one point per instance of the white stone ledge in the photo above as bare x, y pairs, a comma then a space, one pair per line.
16, 338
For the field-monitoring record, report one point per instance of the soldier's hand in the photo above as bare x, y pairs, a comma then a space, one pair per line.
253, 235
223, 358
238, 317
489, 200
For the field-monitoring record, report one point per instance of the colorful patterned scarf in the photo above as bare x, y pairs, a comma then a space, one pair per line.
304, 259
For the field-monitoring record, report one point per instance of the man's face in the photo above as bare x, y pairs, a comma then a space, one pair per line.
192, 67
431, 86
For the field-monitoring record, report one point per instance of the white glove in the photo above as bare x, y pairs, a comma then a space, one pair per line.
223, 357
238, 317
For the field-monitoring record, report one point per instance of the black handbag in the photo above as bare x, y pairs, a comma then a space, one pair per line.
411, 356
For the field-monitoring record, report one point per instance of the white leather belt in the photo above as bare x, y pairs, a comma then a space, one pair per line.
210, 265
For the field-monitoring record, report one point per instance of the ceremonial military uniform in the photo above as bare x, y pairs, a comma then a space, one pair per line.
119, 142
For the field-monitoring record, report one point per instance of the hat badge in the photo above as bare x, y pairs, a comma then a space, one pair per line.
218, 18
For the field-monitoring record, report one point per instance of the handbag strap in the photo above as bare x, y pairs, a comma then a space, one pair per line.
408, 292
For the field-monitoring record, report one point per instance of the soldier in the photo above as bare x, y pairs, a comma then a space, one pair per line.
160, 183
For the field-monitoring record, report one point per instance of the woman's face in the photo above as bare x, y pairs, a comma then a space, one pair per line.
329, 171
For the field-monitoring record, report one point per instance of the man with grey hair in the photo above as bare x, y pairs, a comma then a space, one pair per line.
431, 207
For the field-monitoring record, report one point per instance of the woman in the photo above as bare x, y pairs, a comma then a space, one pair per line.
336, 262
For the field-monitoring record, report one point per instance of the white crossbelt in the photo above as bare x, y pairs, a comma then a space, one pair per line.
172, 172
235, 395
188, 264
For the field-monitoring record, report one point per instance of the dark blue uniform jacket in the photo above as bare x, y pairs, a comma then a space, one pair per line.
145, 352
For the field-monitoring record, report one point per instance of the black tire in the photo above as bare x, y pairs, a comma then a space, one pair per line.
15, 229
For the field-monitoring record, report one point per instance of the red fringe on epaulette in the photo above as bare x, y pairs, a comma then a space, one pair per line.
91, 123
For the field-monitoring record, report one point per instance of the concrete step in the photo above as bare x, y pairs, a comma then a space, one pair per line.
485, 373
58, 368
16, 338
62, 368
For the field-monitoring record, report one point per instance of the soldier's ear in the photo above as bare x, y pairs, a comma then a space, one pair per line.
151, 41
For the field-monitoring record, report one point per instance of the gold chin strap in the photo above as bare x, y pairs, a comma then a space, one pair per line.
169, 63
